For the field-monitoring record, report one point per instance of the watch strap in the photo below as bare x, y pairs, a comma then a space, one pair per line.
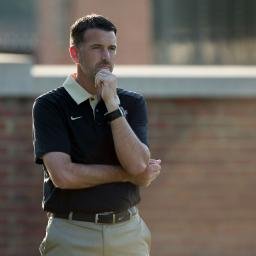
111, 116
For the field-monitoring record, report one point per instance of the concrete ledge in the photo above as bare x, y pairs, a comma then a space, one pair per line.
166, 81
18, 77
15, 75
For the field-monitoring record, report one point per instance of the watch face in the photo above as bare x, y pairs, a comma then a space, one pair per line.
121, 110
124, 112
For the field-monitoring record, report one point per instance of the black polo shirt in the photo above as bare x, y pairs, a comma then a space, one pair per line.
64, 121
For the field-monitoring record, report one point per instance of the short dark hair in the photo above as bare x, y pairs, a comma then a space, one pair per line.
78, 29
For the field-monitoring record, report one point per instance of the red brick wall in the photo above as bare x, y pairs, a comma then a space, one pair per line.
21, 219
203, 202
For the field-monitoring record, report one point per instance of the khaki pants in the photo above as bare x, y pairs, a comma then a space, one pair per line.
78, 238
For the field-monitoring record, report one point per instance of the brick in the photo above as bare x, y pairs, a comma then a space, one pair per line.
202, 203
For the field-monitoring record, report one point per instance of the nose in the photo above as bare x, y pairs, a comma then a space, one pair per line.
105, 55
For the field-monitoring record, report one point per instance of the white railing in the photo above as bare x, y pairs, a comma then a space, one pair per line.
19, 77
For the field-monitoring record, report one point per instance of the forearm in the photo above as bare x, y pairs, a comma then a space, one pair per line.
85, 176
82, 175
131, 152
68, 175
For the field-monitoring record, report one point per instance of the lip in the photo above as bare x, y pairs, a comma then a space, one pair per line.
105, 67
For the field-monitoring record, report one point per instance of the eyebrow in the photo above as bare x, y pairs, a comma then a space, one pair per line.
96, 44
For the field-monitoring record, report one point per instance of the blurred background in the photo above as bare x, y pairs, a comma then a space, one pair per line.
183, 32
194, 61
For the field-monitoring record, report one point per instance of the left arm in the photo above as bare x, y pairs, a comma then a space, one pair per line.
131, 152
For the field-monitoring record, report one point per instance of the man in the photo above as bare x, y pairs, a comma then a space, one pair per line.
91, 139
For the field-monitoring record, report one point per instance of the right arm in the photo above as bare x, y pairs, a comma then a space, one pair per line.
67, 175
52, 148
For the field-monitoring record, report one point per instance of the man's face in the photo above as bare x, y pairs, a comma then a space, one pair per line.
97, 52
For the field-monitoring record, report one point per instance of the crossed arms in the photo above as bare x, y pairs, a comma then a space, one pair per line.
139, 168
134, 156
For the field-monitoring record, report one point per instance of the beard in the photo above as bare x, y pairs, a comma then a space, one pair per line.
103, 65
91, 71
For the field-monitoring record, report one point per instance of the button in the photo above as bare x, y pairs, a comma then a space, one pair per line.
96, 110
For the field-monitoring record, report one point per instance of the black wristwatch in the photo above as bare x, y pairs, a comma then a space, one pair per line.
111, 116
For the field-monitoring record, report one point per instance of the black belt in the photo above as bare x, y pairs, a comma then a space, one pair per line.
103, 218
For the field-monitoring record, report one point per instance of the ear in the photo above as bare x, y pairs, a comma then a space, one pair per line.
73, 51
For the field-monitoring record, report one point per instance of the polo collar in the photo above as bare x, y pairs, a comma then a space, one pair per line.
76, 91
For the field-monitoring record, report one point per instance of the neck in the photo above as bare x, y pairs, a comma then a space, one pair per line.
85, 81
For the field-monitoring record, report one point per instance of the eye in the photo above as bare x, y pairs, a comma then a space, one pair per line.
95, 47
112, 48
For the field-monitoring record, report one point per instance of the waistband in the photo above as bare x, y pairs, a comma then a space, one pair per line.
101, 218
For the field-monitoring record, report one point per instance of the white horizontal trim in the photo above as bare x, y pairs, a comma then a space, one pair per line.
172, 81
24, 79
154, 71
14, 58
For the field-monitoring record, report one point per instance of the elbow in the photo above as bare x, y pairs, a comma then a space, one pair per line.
60, 182
140, 165
137, 169
62, 179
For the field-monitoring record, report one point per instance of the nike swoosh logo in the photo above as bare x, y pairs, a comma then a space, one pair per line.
75, 118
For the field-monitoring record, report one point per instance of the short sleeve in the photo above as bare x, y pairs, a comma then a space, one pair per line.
137, 117
50, 133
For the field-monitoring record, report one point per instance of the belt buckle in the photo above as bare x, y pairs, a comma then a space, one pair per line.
105, 213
